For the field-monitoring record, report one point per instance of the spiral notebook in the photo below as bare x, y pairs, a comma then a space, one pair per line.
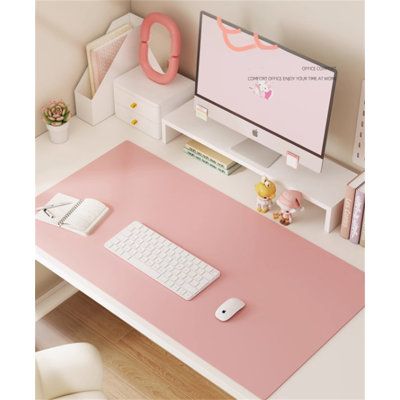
77, 215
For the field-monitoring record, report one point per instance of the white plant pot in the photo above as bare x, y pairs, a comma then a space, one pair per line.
58, 134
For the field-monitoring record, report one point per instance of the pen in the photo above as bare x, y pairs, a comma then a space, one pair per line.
52, 206
48, 213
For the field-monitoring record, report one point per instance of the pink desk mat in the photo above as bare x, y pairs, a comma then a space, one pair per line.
298, 296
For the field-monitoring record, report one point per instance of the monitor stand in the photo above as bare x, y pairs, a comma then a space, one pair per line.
254, 153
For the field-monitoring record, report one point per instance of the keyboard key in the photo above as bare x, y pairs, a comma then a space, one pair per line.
189, 288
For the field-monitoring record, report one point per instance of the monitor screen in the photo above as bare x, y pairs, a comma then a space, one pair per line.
262, 82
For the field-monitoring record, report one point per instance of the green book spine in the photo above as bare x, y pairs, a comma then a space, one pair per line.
211, 159
207, 161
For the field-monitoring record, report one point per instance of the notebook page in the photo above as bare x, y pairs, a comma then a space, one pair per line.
57, 212
85, 215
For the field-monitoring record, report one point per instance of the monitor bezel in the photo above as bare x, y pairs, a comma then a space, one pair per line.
332, 69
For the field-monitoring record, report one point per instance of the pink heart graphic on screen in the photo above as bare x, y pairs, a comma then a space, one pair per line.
268, 94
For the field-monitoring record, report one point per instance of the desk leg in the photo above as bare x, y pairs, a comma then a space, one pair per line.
333, 217
168, 133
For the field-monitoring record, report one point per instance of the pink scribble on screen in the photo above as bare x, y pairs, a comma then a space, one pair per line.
272, 88
226, 32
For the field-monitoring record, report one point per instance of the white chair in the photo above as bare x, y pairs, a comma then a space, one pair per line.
69, 372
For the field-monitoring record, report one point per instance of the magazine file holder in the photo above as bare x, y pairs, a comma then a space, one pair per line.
101, 106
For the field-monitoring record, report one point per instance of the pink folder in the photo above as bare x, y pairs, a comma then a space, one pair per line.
298, 295
102, 58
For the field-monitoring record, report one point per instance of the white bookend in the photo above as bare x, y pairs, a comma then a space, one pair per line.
101, 106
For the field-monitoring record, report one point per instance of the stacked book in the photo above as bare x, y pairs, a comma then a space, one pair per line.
210, 157
353, 221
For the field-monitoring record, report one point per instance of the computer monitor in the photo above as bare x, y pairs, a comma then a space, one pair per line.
272, 95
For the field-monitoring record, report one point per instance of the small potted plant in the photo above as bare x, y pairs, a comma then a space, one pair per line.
56, 116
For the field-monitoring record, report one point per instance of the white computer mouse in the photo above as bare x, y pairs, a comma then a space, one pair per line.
229, 308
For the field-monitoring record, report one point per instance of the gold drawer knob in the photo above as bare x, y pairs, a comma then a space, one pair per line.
133, 105
134, 121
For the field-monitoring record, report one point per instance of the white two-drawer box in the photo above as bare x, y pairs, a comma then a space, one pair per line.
142, 103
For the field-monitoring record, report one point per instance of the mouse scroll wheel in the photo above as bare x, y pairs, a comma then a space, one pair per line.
223, 311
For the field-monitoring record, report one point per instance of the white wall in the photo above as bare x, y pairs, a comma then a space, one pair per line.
328, 31
63, 28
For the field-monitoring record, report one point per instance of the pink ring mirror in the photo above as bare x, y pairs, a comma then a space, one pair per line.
173, 63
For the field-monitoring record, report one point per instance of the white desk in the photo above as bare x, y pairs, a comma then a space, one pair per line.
336, 371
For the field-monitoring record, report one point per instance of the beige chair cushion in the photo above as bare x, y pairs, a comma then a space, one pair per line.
65, 371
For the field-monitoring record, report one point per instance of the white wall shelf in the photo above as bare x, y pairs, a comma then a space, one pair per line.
326, 189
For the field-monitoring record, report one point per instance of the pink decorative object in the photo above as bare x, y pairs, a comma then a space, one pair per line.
173, 64
289, 202
261, 89
268, 94
292, 160
229, 31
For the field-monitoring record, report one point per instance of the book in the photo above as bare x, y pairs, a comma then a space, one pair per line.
349, 203
101, 53
362, 236
209, 154
358, 214
76, 215
209, 162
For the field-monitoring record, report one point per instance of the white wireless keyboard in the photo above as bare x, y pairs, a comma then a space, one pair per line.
162, 260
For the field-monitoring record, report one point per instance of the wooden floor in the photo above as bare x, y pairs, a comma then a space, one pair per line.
134, 367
